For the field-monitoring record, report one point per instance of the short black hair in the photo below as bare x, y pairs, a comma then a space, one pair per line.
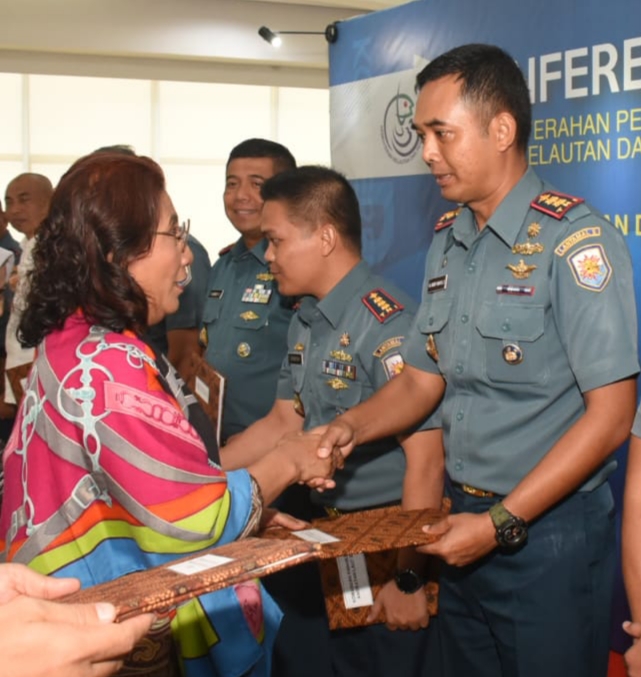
491, 82
263, 148
316, 194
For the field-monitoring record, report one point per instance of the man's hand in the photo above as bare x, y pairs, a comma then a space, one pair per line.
632, 656
338, 437
402, 612
40, 638
464, 538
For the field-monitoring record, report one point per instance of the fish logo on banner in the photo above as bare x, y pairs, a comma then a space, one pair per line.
400, 139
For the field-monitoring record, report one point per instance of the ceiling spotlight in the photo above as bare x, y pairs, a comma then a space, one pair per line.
273, 37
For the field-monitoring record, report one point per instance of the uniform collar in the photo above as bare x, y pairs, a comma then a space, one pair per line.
508, 217
333, 306
239, 250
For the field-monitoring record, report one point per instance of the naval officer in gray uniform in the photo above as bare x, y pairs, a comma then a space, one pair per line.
245, 318
344, 343
528, 313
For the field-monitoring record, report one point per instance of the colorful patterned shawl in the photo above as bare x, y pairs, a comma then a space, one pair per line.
105, 475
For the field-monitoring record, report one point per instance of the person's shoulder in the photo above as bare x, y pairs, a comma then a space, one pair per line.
386, 302
446, 219
201, 255
226, 250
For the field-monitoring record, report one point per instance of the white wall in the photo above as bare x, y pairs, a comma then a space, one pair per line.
48, 121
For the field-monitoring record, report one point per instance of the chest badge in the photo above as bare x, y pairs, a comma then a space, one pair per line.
299, 408
337, 384
257, 294
528, 248
521, 270
243, 350
430, 348
345, 339
534, 229
249, 315
340, 355
299, 347
512, 353
265, 277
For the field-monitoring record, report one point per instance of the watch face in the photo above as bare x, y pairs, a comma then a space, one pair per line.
408, 581
513, 533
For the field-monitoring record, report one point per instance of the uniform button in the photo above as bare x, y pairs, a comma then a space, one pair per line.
506, 326
430, 321
471, 268
464, 318
459, 465
459, 416
459, 369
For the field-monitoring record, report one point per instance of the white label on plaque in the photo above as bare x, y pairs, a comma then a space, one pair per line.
201, 389
354, 581
315, 536
195, 566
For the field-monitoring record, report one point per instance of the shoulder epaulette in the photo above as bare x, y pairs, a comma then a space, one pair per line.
554, 204
226, 250
447, 219
381, 304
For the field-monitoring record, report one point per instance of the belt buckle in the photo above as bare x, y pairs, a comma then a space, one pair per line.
479, 493
332, 512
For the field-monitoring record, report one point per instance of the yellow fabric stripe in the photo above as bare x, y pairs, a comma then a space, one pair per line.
192, 630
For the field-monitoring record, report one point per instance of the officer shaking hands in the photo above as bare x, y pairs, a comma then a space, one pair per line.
528, 326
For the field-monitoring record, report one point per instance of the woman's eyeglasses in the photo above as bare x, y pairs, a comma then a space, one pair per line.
179, 233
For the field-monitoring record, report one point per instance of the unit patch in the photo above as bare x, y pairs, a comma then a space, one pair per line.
334, 368
381, 304
577, 237
394, 342
393, 365
257, 294
555, 204
447, 219
591, 268
437, 284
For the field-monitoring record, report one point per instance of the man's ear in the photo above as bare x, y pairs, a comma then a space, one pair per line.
328, 237
505, 128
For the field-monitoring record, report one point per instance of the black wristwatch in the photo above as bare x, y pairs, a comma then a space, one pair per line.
408, 581
511, 531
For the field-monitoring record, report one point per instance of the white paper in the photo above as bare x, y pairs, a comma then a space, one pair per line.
201, 389
315, 536
195, 566
354, 581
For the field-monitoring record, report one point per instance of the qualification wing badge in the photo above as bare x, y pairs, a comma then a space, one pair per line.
521, 270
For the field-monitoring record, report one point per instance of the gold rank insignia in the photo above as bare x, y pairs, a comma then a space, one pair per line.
521, 270
299, 347
243, 350
337, 384
341, 355
265, 277
345, 339
381, 304
430, 348
534, 229
528, 248
298, 405
249, 315
555, 204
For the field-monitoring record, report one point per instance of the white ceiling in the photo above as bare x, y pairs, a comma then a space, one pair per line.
210, 40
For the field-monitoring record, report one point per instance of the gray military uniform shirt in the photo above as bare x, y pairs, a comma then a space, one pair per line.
342, 349
246, 321
521, 319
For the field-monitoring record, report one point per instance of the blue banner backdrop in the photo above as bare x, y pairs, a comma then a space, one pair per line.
582, 61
